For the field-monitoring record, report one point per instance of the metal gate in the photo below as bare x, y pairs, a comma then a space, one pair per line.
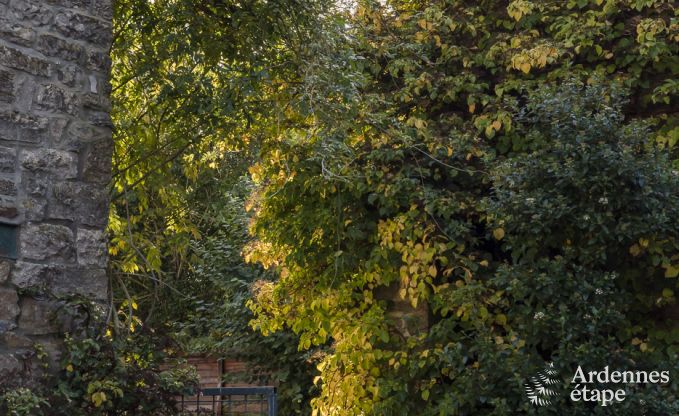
232, 401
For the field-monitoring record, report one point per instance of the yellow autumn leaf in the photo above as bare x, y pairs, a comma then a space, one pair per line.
501, 319
437, 38
525, 67
432, 271
472, 108
419, 123
635, 250
497, 124
98, 398
499, 233
671, 271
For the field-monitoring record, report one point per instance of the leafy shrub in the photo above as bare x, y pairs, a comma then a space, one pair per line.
590, 221
105, 375
216, 320
22, 402
102, 374
559, 253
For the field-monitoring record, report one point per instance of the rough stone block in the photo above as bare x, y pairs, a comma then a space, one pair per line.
81, 27
8, 209
16, 126
34, 184
85, 132
9, 365
6, 86
44, 242
32, 13
61, 279
100, 119
8, 159
38, 317
60, 164
7, 187
14, 58
91, 247
9, 305
95, 101
53, 46
34, 209
97, 162
54, 98
98, 61
12, 340
91, 283
72, 4
32, 275
103, 9
68, 74
57, 128
87, 203
15, 33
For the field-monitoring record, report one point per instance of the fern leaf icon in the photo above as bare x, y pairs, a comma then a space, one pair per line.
538, 388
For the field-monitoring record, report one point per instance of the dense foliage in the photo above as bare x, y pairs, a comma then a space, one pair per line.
402, 152
99, 375
195, 87
404, 181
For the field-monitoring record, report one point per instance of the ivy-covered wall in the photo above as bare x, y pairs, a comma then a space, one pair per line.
55, 157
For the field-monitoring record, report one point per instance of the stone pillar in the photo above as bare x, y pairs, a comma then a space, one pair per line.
55, 164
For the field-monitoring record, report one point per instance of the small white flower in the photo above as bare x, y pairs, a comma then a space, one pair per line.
585, 217
538, 316
599, 292
587, 316
603, 200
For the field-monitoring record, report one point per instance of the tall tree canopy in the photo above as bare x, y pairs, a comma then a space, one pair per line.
197, 87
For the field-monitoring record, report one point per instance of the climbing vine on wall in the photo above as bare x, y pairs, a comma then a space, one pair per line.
396, 181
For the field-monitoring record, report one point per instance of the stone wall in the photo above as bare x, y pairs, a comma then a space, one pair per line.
55, 161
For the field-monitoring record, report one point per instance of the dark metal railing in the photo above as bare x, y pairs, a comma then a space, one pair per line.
232, 401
